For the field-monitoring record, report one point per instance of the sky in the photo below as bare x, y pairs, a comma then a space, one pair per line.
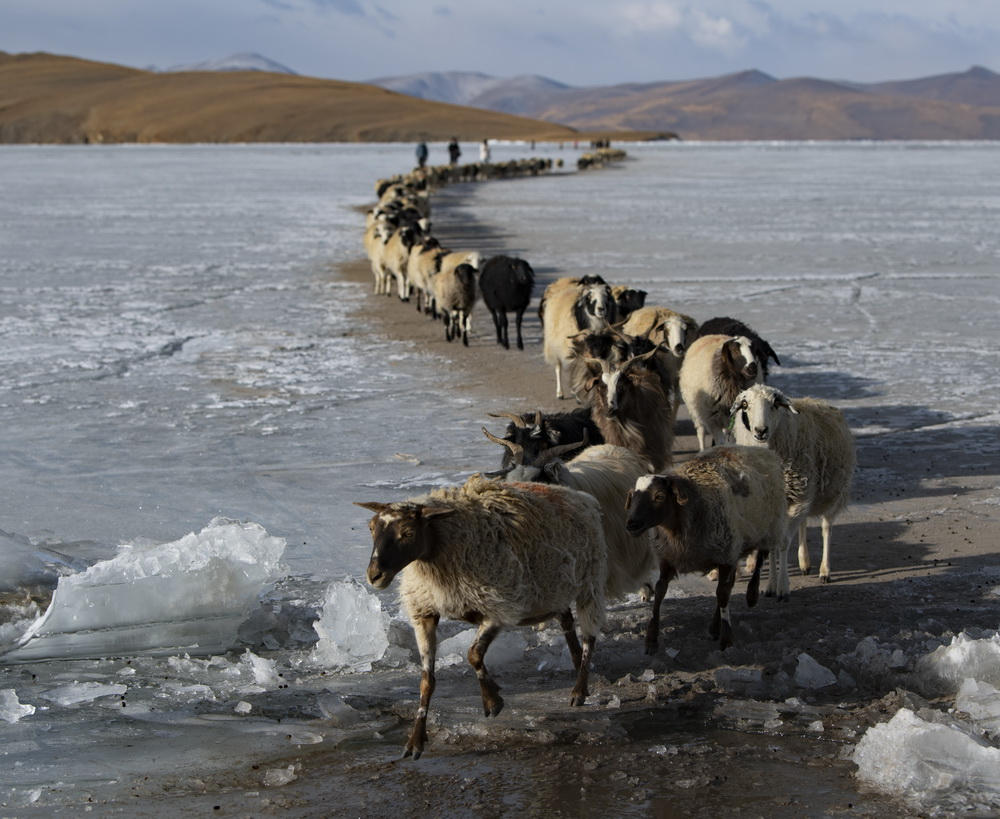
578, 42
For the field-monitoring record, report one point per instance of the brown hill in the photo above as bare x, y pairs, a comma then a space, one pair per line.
751, 105
977, 86
53, 99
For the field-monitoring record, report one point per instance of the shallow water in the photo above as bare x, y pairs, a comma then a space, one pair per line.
176, 345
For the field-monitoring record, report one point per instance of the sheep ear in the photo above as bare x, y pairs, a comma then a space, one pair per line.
427, 512
680, 493
628, 498
372, 506
782, 402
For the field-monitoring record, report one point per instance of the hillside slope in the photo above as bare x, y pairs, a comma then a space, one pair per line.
53, 99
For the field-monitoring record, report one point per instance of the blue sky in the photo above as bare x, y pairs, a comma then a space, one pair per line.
579, 42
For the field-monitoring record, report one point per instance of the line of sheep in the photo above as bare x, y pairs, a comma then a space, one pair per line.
586, 506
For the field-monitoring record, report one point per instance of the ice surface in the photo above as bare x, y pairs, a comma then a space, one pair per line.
964, 657
929, 762
80, 692
276, 777
810, 674
189, 595
11, 710
353, 628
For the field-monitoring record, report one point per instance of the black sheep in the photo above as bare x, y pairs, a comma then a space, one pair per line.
725, 326
506, 284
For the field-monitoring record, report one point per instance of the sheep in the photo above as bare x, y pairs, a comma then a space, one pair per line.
716, 369
421, 269
566, 282
455, 295
506, 284
663, 326
627, 300
568, 309
723, 325
534, 432
632, 409
375, 239
396, 256
708, 512
607, 472
498, 555
817, 451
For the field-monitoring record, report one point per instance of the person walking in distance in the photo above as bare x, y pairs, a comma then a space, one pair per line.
484, 151
421, 154
454, 152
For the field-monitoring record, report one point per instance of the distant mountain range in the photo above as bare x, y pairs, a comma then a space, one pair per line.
236, 62
746, 105
247, 97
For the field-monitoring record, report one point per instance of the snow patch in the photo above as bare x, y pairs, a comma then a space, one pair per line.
353, 628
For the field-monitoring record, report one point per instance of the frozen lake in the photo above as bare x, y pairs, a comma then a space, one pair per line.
176, 346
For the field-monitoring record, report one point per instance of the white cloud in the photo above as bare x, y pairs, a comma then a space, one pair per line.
714, 32
645, 17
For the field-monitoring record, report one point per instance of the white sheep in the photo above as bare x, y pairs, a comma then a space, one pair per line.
607, 472
567, 307
455, 296
498, 555
716, 369
817, 450
375, 239
708, 513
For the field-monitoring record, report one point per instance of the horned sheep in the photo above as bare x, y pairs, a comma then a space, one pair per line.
498, 555
532, 433
817, 450
633, 408
716, 369
709, 512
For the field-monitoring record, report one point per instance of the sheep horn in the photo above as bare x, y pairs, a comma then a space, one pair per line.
516, 450
517, 419
554, 452
643, 357
538, 418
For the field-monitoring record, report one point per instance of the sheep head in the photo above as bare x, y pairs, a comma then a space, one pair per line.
757, 413
399, 536
738, 359
657, 500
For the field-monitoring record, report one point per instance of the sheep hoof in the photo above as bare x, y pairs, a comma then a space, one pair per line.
824, 578
493, 708
806, 570
782, 598
769, 593
577, 698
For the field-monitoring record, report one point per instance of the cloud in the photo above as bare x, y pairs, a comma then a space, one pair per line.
714, 32
643, 17
343, 6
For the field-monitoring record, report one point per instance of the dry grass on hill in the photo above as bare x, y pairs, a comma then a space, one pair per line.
53, 99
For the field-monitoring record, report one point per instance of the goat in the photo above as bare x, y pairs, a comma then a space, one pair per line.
455, 295
534, 432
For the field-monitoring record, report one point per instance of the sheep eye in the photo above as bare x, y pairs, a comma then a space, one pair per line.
659, 497
743, 405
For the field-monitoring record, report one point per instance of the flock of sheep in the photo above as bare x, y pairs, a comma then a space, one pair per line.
587, 505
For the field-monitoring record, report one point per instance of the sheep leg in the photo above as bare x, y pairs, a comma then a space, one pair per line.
579, 695
753, 587
824, 566
425, 630
569, 632
517, 321
465, 320
559, 389
492, 701
805, 564
667, 573
496, 325
502, 330
721, 628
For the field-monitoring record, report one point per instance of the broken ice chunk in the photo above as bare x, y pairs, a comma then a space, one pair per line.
11, 710
810, 674
353, 628
76, 693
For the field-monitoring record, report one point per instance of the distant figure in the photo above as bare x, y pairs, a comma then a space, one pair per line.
484, 151
454, 152
421, 154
